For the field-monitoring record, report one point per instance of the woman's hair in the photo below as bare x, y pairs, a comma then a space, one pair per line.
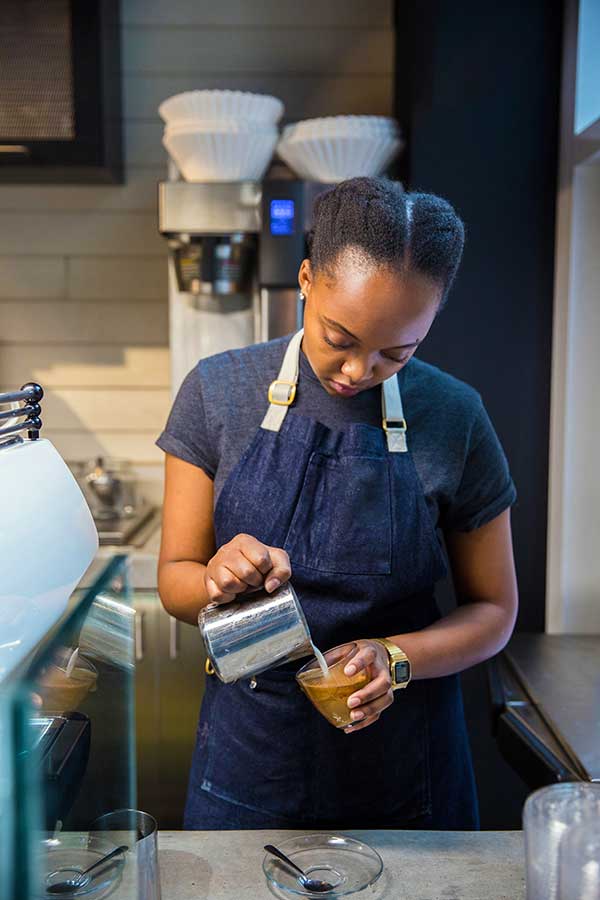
376, 221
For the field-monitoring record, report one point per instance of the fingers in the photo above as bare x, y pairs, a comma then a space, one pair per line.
368, 703
244, 565
225, 584
367, 710
256, 553
364, 723
378, 687
365, 657
272, 564
215, 593
281, 570
373, 705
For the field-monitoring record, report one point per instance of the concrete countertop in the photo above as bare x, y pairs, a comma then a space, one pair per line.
419, 865
561, 676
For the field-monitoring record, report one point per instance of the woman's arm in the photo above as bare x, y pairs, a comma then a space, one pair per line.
188, 540
190, 573
485, 582
486, 589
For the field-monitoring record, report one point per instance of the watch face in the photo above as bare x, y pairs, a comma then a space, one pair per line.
402, 671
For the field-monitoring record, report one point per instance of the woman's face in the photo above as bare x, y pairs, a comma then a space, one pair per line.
365, 324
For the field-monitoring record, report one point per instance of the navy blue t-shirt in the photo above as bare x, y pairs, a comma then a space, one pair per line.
457, 454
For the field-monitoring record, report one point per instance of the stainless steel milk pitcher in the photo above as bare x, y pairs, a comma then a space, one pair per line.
246, 637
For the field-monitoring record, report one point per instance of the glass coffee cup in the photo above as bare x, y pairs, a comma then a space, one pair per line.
329, 693
60, 691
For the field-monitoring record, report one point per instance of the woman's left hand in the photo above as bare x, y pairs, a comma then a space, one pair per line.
369, 702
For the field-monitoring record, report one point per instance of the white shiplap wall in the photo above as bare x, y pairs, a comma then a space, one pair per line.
83, 275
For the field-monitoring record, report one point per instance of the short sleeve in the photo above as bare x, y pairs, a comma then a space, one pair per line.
186, 434
486, 488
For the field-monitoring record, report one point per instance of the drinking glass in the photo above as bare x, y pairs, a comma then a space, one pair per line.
329, 693
579, 862
139, 831
60, 691
547, 816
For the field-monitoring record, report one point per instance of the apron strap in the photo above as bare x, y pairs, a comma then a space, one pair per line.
282, 391
394, 423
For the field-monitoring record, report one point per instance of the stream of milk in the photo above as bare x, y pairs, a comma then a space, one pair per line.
321, 661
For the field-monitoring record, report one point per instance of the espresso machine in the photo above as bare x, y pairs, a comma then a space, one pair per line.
235, 250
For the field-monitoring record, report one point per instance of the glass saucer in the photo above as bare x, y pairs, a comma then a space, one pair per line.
347, 864
70, 854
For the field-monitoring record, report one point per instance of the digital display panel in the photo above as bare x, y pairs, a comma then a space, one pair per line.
402, 672
282, 214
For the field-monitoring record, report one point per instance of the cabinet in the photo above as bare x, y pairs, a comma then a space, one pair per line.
170, 677
60, 93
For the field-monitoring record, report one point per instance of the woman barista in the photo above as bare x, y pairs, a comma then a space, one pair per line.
324, 487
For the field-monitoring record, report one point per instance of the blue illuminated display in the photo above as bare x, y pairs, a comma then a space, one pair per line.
282, 216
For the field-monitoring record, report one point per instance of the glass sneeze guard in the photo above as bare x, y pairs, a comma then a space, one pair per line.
67, 746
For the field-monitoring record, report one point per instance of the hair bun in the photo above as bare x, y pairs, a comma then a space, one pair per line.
370, 216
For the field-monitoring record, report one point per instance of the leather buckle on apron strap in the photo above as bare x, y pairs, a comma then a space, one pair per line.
394, 425
291, 392
395, 434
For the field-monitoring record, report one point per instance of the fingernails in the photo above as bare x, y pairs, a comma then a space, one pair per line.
353, 701
350, 669
357, 716
272, 584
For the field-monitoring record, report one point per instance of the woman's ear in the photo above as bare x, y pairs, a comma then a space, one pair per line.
305, 277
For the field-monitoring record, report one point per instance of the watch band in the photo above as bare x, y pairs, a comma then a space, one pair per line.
399, 664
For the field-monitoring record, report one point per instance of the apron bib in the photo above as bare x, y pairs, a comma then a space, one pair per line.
349, 509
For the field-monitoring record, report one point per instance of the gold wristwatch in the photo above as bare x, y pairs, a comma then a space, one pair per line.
399, 664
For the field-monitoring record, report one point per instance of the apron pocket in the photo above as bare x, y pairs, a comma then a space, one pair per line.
259, 752
342, 523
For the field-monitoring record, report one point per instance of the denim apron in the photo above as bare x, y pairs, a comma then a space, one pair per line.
348, 508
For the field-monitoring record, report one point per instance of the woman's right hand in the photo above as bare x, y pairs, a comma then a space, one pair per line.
245, 565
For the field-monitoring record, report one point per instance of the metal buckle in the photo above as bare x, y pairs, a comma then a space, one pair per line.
394, 425
291, 394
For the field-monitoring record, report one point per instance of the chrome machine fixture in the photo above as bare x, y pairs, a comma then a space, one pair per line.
121, 514
235, 252
30, 394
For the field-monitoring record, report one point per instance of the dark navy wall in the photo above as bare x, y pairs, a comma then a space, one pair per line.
477, 91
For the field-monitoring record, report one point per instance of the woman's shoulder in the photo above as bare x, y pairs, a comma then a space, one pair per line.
438, 390
457, 452
220, 401
242, 368
242, 362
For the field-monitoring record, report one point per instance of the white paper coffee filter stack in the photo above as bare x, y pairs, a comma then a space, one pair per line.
334, 148
217, 135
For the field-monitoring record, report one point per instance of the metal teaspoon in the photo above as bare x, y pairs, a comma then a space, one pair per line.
73, 884
311, 884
